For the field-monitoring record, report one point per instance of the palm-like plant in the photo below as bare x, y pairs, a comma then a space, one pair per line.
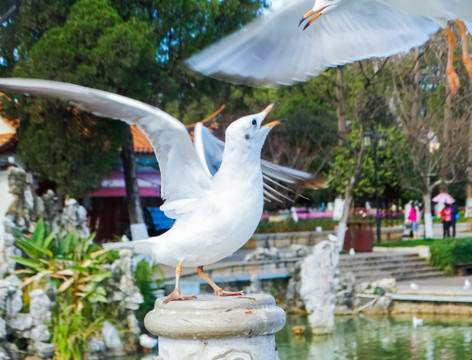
75, 266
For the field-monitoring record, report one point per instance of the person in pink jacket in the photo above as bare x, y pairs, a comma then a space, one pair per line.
412, 217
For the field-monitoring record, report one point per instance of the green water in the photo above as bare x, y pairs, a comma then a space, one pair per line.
379, 338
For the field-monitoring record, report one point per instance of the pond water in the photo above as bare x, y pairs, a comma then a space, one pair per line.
379, 338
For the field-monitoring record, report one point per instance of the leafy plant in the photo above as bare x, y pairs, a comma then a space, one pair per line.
75, 266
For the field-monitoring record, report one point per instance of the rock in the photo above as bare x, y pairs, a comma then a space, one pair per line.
381, 306
3, 329
41, 349
345, 292
39, 333
40, 306
263, 254
296, 251
388, 285
20, 322
318, 286
147, 341
294, 302
111, 336
96, 346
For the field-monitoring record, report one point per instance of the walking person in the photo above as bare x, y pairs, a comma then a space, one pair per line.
454, 218
446, 216
412, 217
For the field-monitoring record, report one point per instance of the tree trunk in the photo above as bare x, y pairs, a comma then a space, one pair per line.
340, 113
135, 211
342, 225
428, 217
445, 164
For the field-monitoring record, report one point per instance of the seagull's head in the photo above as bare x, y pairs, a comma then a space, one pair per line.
321, 7
249, 131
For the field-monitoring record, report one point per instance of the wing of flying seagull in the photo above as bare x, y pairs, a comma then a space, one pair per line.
210, 151
184, 178
274, 50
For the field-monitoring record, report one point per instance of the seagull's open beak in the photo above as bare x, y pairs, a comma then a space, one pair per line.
267, 110
271, 124
315, 14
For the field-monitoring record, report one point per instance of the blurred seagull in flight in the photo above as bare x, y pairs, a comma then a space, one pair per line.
272, 50
215, 214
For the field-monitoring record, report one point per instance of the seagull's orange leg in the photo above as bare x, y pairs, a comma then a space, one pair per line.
465, 48
452, 78
218, 291
176, 295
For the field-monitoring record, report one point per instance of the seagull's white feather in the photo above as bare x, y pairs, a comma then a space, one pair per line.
215, 215
274, 50
183, 177
210, 151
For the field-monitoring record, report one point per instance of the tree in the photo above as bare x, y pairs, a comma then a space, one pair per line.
433, 124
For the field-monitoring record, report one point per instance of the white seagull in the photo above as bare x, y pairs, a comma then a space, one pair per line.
273, 50
215, 215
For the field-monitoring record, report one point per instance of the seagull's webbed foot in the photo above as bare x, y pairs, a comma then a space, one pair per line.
218, 291
452, 77
465, 48
176, 295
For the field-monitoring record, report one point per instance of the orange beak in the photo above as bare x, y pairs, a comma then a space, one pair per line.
271, 124
315, 14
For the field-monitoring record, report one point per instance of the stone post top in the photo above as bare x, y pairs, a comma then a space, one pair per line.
215, 317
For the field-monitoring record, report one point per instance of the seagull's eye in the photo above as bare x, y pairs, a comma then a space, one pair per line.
254, 122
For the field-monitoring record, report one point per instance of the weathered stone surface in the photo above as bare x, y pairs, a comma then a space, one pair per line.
263, 254
96, 346
39, 333
212, 317
3, 329
296, 251
318, 286
41, 349
111, 336
40, 306
212, 327
20, 322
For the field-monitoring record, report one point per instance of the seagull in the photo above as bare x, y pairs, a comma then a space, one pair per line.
273, 50
439, 11
466, 284
210, 151
215, 215
414, 286
417, 321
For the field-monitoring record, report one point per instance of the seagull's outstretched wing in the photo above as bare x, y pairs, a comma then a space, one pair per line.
183, 175
274, 50
210, 151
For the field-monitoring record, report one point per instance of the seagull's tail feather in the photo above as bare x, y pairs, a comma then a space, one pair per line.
137, 246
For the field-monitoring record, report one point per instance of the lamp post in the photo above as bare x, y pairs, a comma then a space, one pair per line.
377, 141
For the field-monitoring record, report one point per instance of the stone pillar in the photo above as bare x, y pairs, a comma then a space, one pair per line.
217, 328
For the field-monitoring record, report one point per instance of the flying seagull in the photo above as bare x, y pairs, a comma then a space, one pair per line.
215, 215
273, 50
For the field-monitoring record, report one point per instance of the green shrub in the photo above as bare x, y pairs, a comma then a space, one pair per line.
449, 253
